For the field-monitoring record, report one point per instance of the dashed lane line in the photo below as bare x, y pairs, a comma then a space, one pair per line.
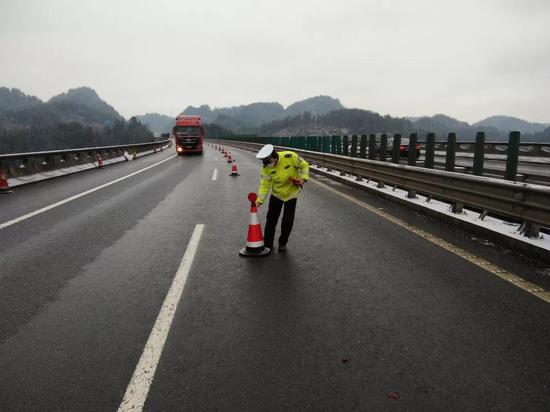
503, 274
215, 174
77, 196
138, 389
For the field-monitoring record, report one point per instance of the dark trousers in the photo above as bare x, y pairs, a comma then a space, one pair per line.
273, 213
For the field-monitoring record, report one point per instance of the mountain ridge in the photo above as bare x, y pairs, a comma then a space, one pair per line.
76, 118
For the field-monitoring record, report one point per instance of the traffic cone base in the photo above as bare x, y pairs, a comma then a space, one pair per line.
246, 252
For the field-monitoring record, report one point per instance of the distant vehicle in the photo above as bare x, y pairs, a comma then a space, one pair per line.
189, 134
403, 147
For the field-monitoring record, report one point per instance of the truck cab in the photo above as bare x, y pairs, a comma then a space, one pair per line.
188, 134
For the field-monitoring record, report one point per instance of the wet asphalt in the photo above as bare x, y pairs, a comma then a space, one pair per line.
356, 313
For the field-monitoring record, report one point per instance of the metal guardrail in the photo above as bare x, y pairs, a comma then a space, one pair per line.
520, 201
24, 164
512, 160
527, 150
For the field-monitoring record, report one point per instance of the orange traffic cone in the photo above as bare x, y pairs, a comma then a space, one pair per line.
254, 240
234, 171
4, 186
229, 158
99, 161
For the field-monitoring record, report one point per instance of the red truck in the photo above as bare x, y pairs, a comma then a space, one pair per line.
189, 134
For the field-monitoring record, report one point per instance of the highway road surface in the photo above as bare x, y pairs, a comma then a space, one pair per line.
122, 289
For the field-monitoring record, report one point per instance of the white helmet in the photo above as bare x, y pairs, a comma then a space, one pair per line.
265, 151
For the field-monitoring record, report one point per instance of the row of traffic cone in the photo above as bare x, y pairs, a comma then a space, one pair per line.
255, 246
230, 159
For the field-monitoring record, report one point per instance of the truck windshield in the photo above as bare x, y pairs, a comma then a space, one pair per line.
188, 130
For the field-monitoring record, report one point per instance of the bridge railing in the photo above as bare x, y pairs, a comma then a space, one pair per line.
522, 202
17, 165
505, 157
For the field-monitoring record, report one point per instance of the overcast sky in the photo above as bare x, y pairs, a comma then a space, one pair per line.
467, 59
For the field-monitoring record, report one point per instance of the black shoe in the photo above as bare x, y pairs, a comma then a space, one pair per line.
282, 248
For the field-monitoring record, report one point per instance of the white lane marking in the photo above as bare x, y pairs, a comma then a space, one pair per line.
69, 199
215, 159
215, 174
141, 381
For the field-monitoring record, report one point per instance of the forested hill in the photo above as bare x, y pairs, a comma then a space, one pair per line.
157, 123
12, 100
77, 118
249, 118
509, 123
349, 121
341, 121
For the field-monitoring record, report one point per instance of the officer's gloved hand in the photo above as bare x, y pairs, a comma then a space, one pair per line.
297, 182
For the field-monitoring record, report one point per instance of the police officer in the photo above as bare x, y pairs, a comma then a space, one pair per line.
284, 173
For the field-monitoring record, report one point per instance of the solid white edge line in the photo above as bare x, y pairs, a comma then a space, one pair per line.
215, 174
69, 199
138, 388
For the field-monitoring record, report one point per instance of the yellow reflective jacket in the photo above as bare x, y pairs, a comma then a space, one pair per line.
277, 178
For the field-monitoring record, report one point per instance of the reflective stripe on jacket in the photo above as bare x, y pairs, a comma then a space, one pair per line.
278, 178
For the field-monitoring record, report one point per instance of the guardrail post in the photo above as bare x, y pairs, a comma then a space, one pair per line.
413, 140
363, 147
457, 207
451, 153
326, 144
395, 153
339, 145
354, 145
479, 154
430, 149
293, 143
345, 146
411, 161
512, 157
382, 156
372, 146
529, 230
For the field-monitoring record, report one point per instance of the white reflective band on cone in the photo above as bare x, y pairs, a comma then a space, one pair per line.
254, 219
255, 244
